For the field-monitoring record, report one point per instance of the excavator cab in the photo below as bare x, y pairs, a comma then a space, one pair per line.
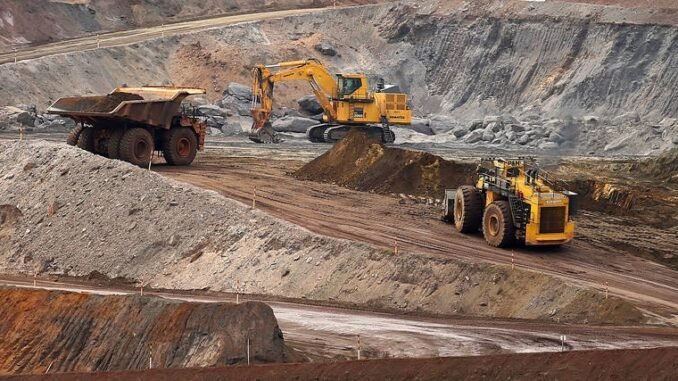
352, 86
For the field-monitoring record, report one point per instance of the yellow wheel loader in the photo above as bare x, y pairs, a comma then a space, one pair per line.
346, 99
512, 202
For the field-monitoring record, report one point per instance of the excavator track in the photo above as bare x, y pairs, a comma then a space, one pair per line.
316, 134
334, 134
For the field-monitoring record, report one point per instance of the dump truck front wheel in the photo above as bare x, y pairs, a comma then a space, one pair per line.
498, 228
468, 209
136, 146
86, 139
73, 136
180, 146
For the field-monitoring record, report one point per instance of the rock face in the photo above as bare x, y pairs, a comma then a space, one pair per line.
88, 331
325, 49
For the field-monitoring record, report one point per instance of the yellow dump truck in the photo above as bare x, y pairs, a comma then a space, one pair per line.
512, 202
131, 123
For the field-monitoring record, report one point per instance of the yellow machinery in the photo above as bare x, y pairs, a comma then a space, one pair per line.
512, 202
345, 98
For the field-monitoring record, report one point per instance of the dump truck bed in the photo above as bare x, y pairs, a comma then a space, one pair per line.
153, 106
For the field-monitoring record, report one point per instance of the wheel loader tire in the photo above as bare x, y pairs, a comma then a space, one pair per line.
86, 139
136, 146
498, 228
114, 143
180, 146
468, 209
73, 135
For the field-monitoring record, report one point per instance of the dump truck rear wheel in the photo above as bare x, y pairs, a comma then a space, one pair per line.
114, 143
86, 139
73, 135
498, 228
136, 146
468, 209
180, 146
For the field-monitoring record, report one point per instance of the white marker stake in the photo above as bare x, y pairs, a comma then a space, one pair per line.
162, 31
15, 58
562, 342
248, 350
512, 261
150, 357
98, 42
607, 290
359, 347
254, 197
35, 280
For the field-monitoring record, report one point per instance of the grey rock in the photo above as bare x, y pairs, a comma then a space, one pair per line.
476, 124
492, 119
591, 120
516, 128
13, 118
214, 131
325, 49
494, 127
422, 126
459, 132
667, 122
310, 105
548, 145
441, 124
293, 124
474, 136
555, 138
488, 136
626, 118
509, 119
239, 91
231, 127
553, 124
211, 110
524, 139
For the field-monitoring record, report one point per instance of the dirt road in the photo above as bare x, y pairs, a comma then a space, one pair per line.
339, 212
136, 35
323, 333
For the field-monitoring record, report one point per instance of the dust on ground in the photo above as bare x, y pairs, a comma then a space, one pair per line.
363, 163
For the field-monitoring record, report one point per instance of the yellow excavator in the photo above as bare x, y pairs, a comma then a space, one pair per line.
346, 99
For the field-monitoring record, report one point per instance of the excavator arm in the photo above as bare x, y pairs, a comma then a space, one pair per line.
322, 82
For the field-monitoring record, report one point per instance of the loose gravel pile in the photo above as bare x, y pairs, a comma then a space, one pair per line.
79, 214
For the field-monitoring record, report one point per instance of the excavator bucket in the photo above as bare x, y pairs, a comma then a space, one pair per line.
265, 134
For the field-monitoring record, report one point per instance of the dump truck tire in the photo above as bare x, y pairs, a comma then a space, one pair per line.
468, 209
114, 143
136, 146
73, 135
180, 146
86, 139
498, 228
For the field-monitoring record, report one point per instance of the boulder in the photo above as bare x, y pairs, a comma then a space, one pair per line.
239, 91
553, 124
325, 49
474, 136
591, 120
524, 139
422, 126
488, 136
54, 123
475, 124
310, 105
556, 138
494, 127
211, 110
232, 127
459, 132
213, 131
516, 128
491, 119
509, 119
293, 124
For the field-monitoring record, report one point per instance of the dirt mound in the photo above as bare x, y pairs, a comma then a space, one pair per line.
362, 163
105, 103
86, 333
124, 221
648, 364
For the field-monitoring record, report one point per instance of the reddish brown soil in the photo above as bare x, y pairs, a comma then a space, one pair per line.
362, 163
338, 212
650, 364
85, 333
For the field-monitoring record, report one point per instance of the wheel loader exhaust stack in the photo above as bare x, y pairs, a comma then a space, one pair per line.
512, 202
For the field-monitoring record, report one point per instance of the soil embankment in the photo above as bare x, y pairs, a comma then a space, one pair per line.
651, 364
69, 332
123, 221
362, 163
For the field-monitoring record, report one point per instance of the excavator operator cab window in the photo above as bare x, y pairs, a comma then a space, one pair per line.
348, 86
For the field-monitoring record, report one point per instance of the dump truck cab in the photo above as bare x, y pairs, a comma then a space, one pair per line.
513, 201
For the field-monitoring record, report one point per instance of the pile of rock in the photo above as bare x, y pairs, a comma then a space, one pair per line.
27, 118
